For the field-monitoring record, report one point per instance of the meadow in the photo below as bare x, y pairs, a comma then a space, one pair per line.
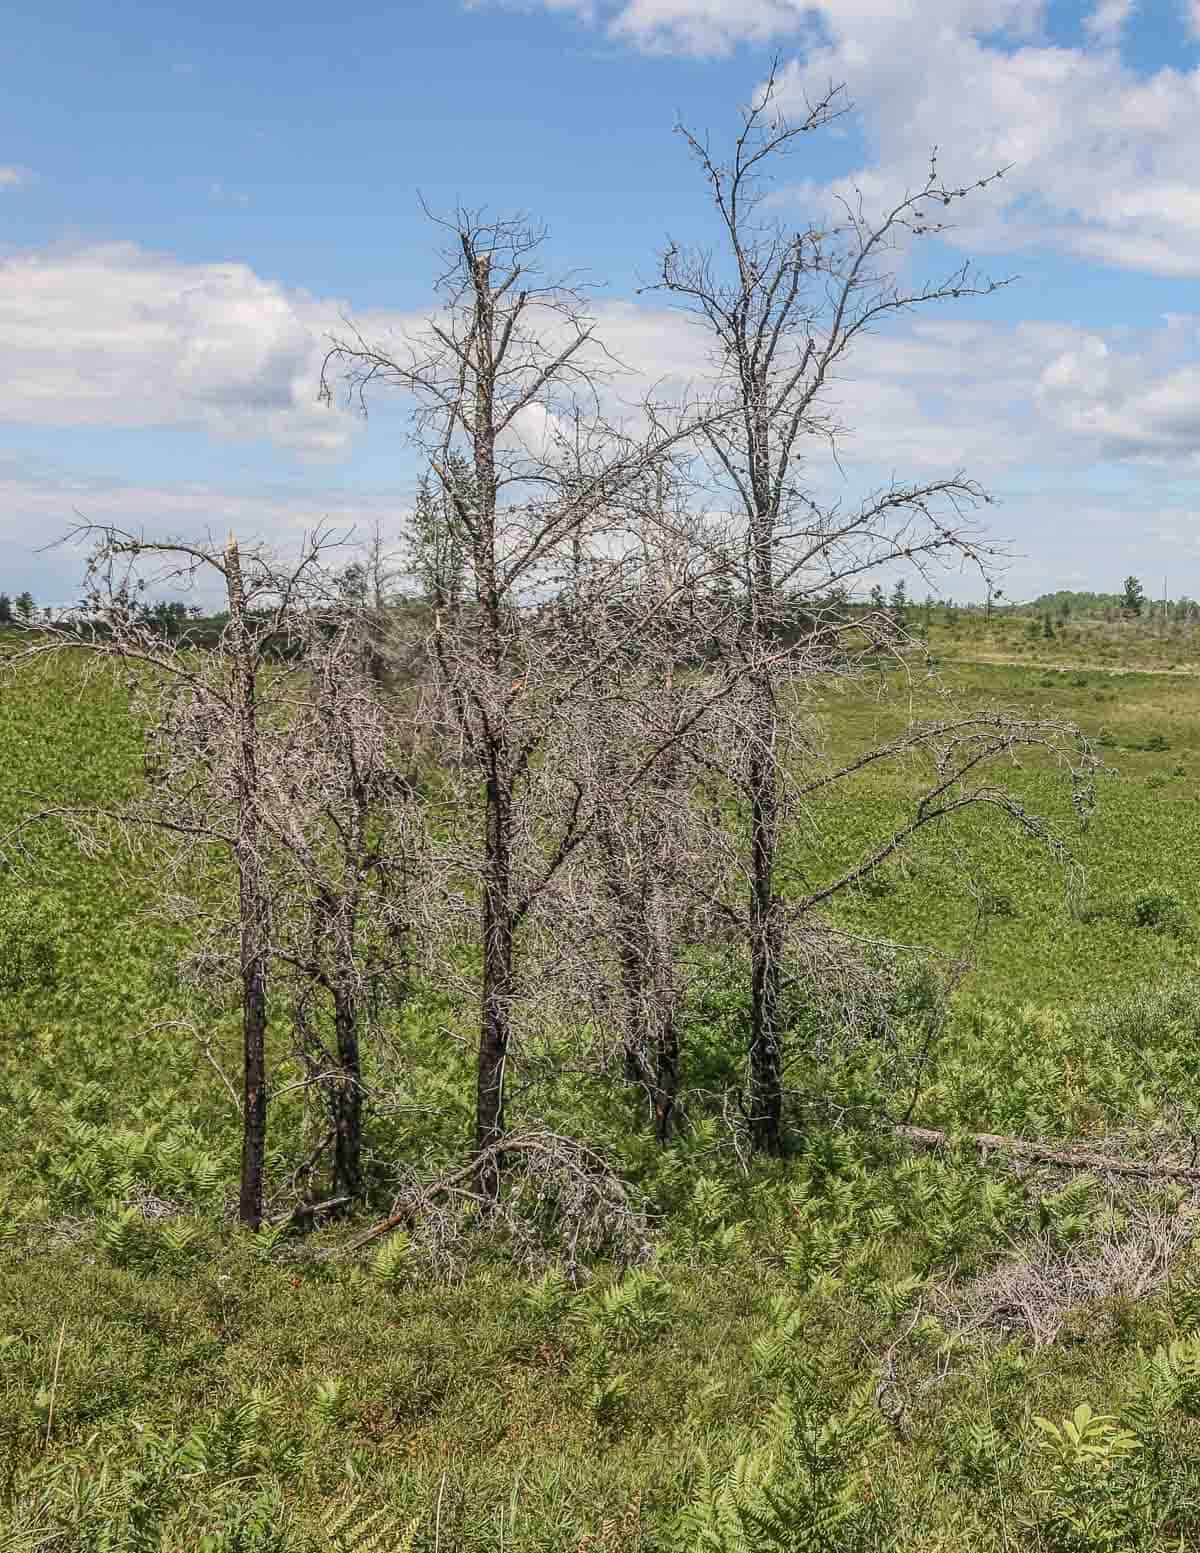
867, 1345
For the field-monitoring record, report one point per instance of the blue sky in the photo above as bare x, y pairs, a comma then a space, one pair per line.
191, 197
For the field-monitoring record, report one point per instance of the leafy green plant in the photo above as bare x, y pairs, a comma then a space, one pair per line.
331, 1405
1091, 1502
268, 1238
32, 927
632, 1311
606, 1398
392, 1265
125, 1238
354, 1527
1163, 912
805, 1489
551, 1298
180, 1239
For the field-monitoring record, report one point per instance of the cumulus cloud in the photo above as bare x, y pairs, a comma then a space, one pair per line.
706, 26
924, 400
1106, 23
1104, 159
39, 505
115, 336
933, 395
1140, 406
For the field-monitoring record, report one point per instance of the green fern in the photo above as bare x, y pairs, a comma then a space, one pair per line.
1184, 1299
987, 1453
606, 1397
633, 1310
897, 1299
1069, 1213
710, 1202
180, 1238
393, 1262
353, 1528
331, 1404
123, 1237
268, 1238
550, 1298
775, 1348
1175, 1372
726, 1244
801, 1491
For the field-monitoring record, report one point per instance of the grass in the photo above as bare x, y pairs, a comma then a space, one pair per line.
815, 1355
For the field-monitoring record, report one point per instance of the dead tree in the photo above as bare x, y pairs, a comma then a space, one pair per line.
783, 307
208, 718
372, 586
254, 905
351, 882
496, 377
654, 853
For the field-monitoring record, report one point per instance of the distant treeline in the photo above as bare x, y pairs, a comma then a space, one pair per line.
1066, 604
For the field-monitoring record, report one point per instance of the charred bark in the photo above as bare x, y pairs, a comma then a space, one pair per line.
253, 904
498, 987
346, 1097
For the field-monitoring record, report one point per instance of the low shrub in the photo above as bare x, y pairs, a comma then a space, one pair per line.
1163, 912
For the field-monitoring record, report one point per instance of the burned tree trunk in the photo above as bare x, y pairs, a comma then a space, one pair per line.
498, 984
520, 503
766, 1062
253, 901
651, 1034
346, 1096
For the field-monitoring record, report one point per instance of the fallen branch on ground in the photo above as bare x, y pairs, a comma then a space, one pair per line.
591, 1204
309, 1210
1041, 1153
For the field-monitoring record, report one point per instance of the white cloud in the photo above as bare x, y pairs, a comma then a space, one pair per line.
934, 395
706, 26
929, 398
1106, 161
1106, 23
1103, 161
1140, 407
38, 508
13, 177
116, 336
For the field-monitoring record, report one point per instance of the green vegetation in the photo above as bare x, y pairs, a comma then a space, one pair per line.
1087, 632
863, 1346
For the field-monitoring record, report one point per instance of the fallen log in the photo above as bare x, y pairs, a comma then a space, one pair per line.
308, 1211
1043, 1154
